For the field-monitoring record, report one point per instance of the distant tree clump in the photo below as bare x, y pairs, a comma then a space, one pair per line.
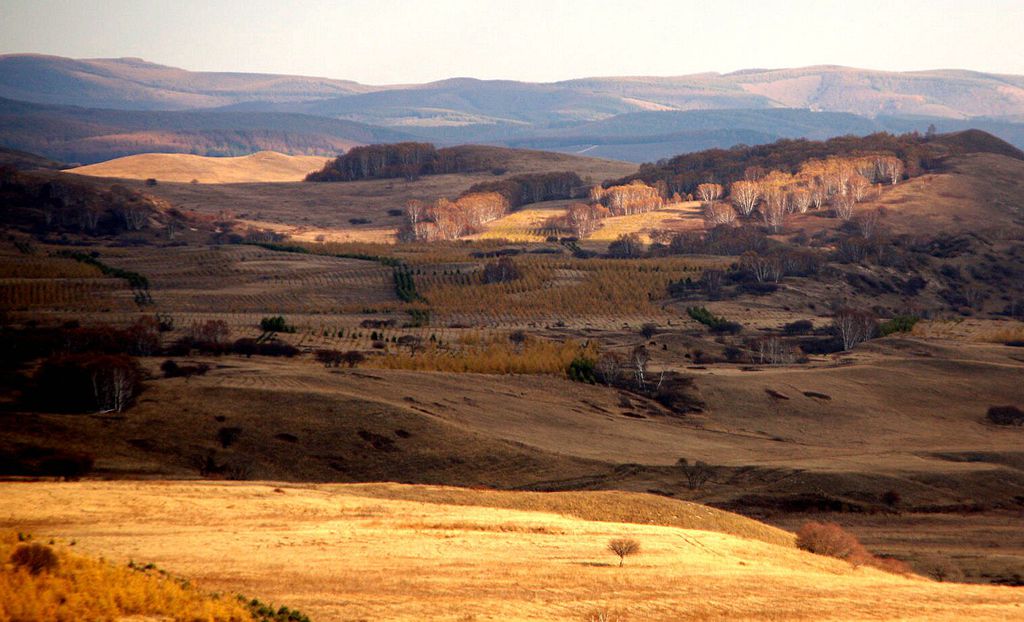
89, 382
626, 246
500, 271
624, 547
533, 188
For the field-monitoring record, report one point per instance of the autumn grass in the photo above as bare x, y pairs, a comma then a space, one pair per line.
339, 554
492, 355
82, 588
675, 217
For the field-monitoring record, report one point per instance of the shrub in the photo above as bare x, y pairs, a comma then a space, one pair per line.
172, 370
330, 358
35, 558
898, 324
649, 330
830, 539
581, 369
275, 324
227, 436
1006, 415
799, 327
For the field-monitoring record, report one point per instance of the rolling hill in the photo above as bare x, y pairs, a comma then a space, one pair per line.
413, 553
88, 135
264, 166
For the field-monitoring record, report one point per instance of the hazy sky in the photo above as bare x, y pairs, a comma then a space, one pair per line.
388, 41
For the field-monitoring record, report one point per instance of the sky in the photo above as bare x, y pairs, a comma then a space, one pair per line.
393, 42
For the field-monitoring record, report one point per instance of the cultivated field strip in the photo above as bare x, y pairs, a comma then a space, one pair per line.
245, 279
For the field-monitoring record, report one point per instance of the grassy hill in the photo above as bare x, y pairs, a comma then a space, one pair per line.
407, 553
264, 166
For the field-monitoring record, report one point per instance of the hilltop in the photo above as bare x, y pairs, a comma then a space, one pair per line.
407, 553
264, 166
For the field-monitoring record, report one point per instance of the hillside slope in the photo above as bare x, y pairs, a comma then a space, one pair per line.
365, 552
264, 166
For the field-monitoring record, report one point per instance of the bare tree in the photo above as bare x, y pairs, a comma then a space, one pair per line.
638, 360
867, 222
853, 326
716, 214
709, 193
609, 368
800, 200
843, 205
697, 474
624, 547
773, 211
744, 195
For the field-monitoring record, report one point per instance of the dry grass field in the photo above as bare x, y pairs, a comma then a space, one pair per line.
263, 166
385, 552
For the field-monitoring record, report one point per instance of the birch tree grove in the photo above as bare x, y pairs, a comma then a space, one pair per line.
744, 195
709, 193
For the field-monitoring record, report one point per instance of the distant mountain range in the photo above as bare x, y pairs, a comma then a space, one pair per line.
131, 106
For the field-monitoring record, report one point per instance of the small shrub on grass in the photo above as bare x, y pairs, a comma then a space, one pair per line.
898, 324
35, 558
581, 369
1006, 415
716, 323
830, 539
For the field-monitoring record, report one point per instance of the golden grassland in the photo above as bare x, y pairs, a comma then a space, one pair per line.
83, 588
492, 355
674, 217
343, 552
263, 166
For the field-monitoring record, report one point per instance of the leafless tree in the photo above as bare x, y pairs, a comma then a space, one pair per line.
843, 205
609, 368
853, 326
716, 214
709, 193
697, 474
638, 360
624, 547
744, 195
867, 223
